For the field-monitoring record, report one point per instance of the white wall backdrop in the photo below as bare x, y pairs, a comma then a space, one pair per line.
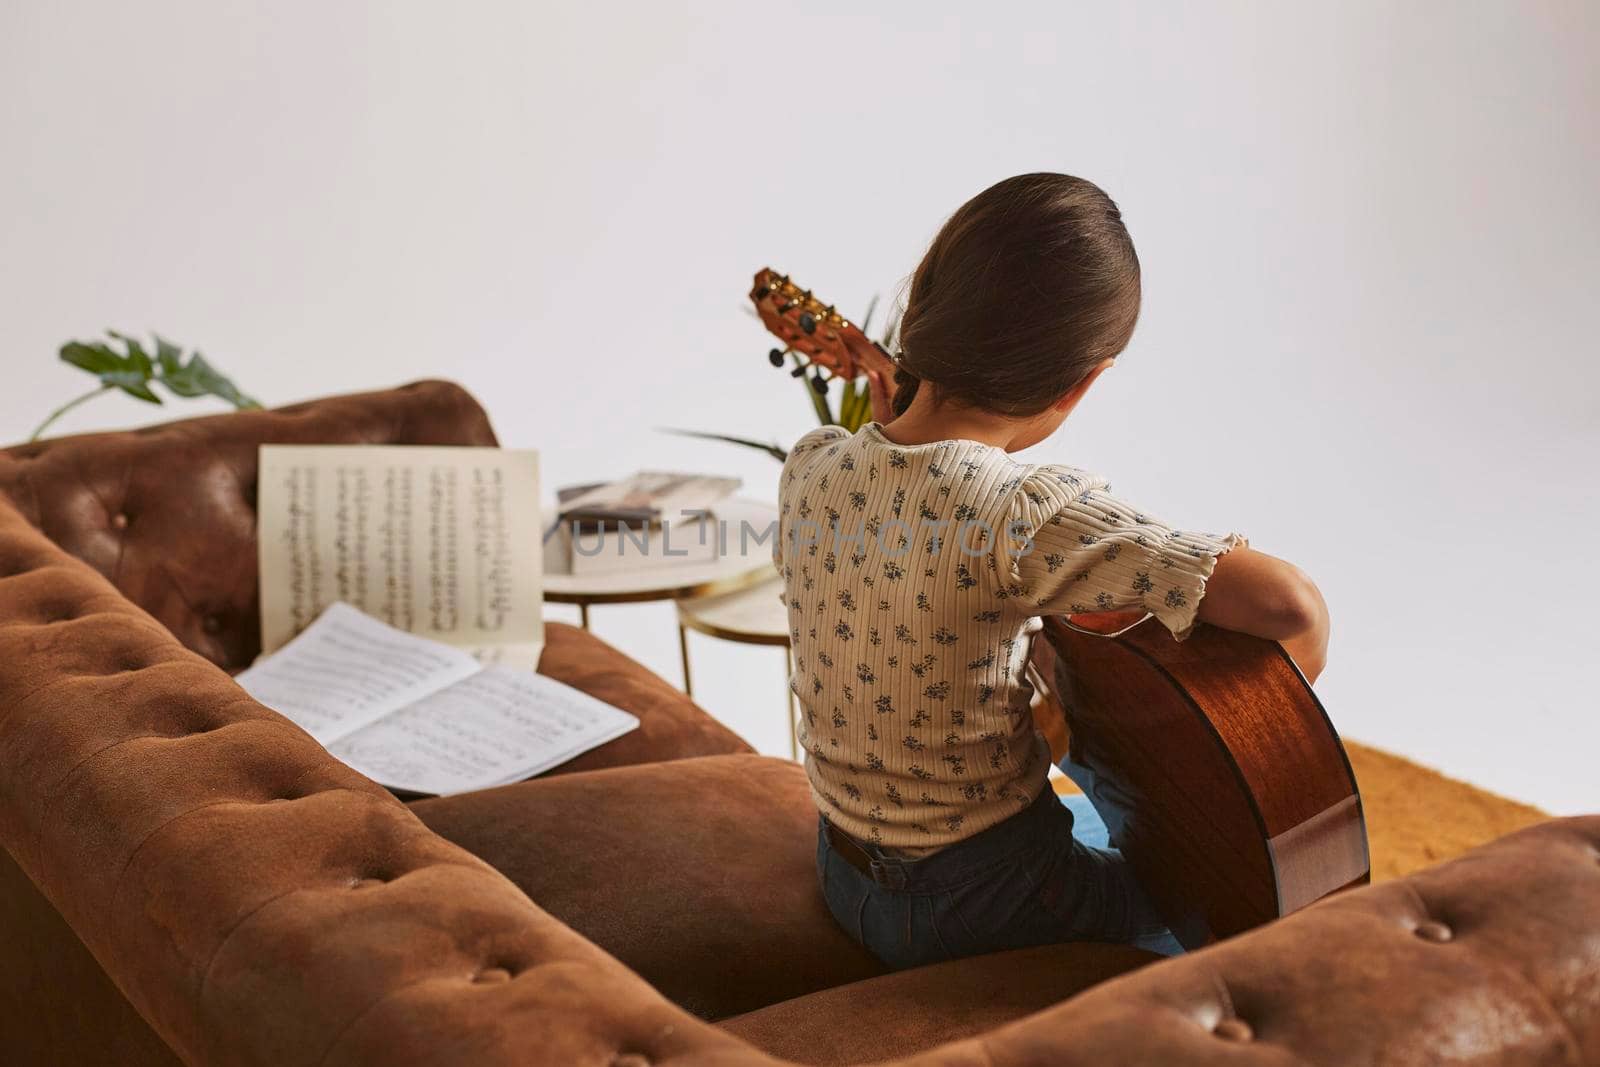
1369, 234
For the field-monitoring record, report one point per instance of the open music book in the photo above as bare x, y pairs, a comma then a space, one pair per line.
438, 541
418, 715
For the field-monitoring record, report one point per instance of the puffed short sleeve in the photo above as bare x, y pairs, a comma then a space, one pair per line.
1076, 548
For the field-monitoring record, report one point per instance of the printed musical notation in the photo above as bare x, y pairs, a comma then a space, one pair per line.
443, 542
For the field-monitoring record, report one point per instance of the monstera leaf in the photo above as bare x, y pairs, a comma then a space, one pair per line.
136, 372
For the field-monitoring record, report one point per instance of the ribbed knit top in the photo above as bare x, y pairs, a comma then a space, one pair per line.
915, 577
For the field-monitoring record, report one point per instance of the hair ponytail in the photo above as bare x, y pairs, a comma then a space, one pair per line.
905, 390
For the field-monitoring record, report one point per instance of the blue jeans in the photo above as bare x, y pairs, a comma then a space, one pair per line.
1024, 882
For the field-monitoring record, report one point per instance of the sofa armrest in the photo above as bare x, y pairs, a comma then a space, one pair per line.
1492, 958
255, 900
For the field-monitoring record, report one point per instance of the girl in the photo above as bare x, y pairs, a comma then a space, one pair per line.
917, 558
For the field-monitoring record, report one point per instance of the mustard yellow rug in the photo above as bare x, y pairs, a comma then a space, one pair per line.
1417, 817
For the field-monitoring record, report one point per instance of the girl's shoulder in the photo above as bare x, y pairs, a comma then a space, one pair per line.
1058, 480
815, 443
818, 438
1045, 490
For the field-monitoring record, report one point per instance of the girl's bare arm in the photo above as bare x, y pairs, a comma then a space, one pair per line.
1258, 594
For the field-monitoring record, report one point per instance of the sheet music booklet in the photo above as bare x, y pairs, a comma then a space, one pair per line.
402, 615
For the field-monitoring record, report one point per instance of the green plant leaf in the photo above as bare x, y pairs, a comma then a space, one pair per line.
819, 403
183, 382
135, 371
132, 382
137, 358
891, 329
129, 373
220, 384
95, 357
198, 377
866, 320
168, 355
772, 449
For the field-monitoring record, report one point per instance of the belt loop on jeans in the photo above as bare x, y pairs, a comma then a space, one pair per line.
888, 874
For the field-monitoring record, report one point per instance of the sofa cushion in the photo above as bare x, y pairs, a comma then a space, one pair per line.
671, 726
699, 874
917, 1009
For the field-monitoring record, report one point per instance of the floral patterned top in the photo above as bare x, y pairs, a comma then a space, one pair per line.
915, 577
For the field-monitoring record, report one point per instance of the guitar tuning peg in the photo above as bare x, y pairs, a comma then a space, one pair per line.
808, 322
775, 357
762, 293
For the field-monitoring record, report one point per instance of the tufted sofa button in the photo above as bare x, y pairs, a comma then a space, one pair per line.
211, 624
490, 975
366, 883
1434, 931
1233, 1029
120, 520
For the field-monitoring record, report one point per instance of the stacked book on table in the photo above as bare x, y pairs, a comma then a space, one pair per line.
649, 520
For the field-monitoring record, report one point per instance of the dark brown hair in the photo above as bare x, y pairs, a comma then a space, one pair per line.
1027, 287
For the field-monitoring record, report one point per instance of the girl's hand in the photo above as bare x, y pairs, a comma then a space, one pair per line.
881, 392
867, 358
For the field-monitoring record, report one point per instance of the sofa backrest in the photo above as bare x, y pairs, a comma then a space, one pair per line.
168, 513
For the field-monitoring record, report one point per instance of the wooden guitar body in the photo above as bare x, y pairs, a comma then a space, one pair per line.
1248, 809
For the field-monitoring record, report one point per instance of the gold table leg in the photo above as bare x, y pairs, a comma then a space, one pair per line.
683, 650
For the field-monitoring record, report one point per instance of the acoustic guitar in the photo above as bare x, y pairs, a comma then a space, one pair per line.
814, 332
1247, 808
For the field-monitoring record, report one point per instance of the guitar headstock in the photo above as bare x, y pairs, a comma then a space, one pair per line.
813, 328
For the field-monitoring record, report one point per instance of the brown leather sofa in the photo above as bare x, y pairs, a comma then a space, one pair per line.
187, 877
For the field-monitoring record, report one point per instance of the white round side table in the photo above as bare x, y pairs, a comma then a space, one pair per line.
754, 615
751, 528
715, 592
